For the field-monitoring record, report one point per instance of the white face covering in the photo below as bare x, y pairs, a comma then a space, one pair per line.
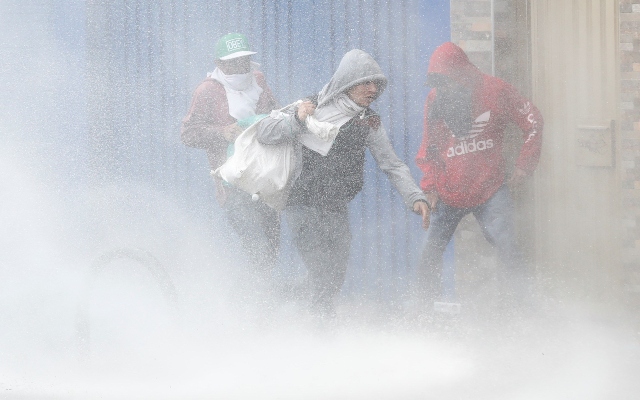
338, 111
237, 82
326, 121
243, 92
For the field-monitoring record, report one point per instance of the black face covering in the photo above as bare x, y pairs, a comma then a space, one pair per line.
454, 107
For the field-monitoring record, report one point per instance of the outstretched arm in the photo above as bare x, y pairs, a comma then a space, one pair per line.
396, 170
427, 157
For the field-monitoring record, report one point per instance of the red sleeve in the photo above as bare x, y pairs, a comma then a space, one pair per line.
267, 101
427, 164
529, 119
207, 116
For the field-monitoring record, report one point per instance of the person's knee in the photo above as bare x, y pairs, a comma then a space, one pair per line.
433, 251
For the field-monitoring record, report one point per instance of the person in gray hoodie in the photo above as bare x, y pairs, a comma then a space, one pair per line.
329, 172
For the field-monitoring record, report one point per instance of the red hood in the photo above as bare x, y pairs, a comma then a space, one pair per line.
450, 60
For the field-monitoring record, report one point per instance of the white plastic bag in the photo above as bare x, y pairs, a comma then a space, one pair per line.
260, 170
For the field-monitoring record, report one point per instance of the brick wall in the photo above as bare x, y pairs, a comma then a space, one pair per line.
472, 30
630, 139
503, 49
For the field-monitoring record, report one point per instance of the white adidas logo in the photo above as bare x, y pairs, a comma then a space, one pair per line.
466, 146
478, 125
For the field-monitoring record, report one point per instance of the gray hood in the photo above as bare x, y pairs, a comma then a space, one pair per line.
355, 67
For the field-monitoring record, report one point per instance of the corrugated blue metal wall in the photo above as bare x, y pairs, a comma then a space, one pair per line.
146, 58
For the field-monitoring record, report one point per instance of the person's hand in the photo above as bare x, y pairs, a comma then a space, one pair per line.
420, 207
432, 198
231, 132
517, 178
305, 109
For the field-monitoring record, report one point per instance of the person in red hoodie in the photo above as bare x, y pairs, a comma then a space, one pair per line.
465, 117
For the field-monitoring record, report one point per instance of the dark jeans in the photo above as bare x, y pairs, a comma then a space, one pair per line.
323, 240
495, 217
258, 226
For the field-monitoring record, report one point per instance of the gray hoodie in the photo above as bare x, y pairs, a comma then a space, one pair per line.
355, 67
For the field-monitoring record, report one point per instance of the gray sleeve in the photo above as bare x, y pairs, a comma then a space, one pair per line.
397, 171
279, 130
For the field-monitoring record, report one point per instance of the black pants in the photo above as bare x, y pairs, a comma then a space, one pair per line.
323, 239
258, 226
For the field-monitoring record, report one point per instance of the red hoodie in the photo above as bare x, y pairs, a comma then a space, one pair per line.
467, 171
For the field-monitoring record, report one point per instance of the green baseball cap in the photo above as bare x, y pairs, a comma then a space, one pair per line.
232, 45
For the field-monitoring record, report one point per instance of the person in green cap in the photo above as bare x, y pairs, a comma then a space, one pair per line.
228, 99
329, 171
